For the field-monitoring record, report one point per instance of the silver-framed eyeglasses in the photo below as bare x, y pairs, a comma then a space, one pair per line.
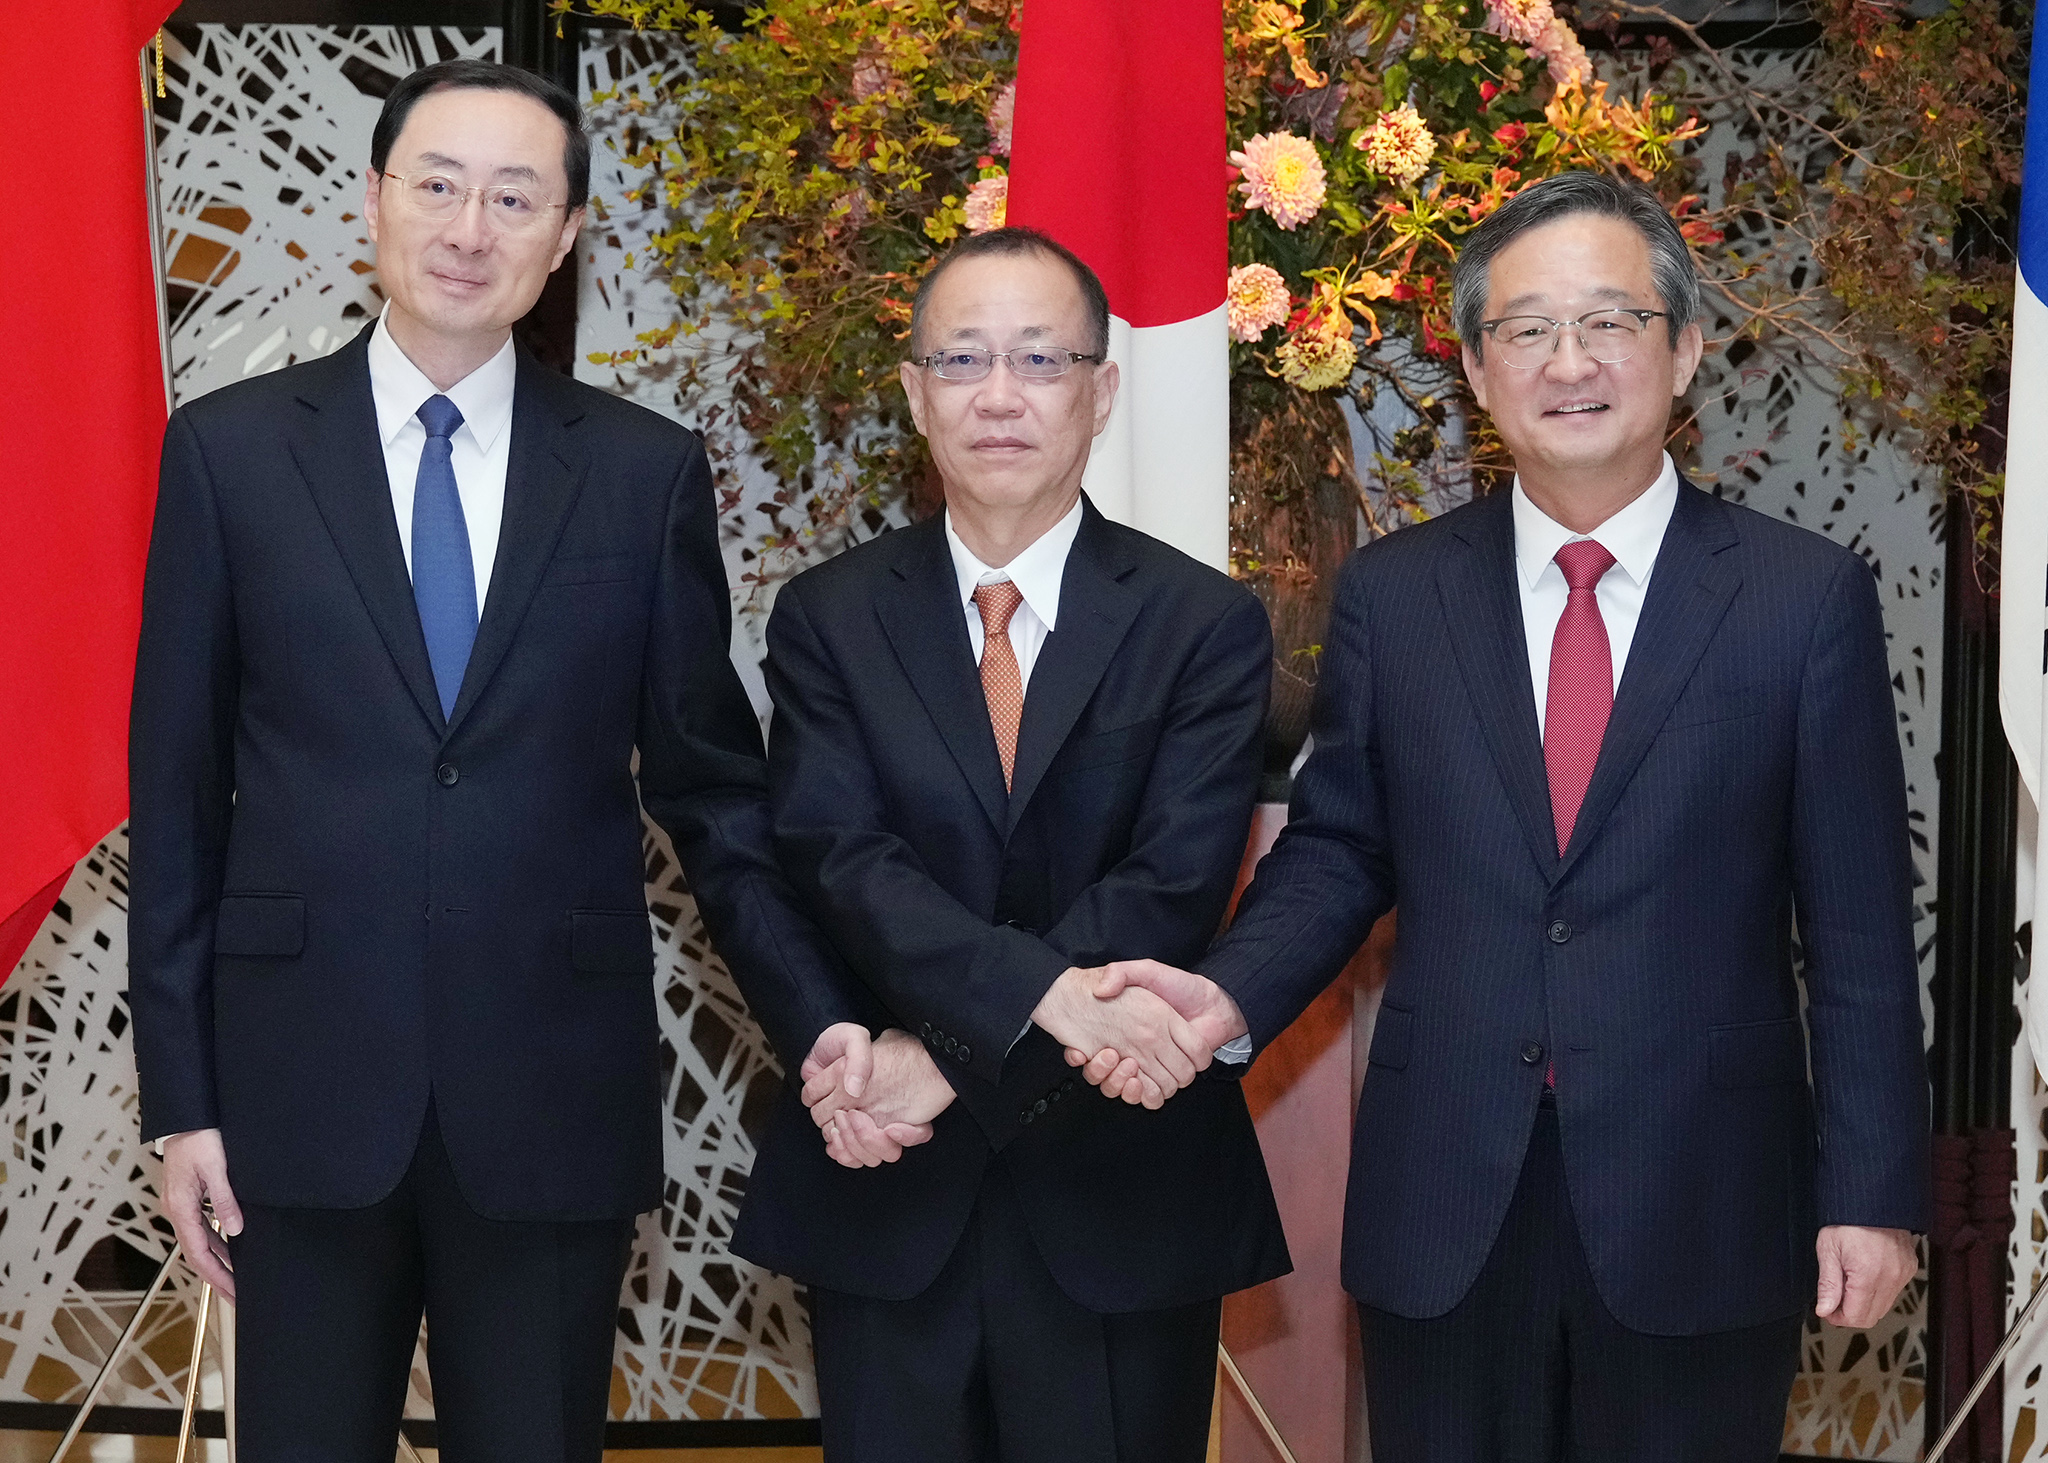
438, 196
1030, 362
1608, 336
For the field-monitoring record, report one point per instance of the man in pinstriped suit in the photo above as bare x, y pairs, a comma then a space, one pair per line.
1608, 741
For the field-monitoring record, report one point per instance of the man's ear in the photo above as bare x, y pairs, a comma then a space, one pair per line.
1475, 373
572, 225
373, 192
912, 377
1685, 357
1107, 379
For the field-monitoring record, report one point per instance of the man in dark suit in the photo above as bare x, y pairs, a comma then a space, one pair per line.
1010, 744
1605, 739
410, 610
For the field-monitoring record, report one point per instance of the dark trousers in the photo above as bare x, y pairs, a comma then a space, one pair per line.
994, 1363
520, 1323
1531, 1368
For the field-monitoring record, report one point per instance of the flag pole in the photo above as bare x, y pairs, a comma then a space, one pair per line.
121, 1344
150, 81
1962, 1414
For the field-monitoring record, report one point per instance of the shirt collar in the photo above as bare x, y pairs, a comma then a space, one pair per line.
484, 396
1036, 572
1633, 535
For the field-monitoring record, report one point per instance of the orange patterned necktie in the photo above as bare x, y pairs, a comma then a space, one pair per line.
1001, 681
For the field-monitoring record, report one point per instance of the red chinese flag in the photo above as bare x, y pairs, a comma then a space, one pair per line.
1120, 153
82, 384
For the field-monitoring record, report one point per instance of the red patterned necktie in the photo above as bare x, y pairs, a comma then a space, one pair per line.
1001, 681
1581, 686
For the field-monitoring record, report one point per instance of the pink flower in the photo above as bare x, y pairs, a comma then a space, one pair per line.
1569, 64
988, 204
1525, 21
1283, 174
1258, 300
1398, 145
1002, 119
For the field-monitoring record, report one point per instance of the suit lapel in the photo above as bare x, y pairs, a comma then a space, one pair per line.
542, 478
341, 457
927, 627
1484, 611
1096, 610
1690, 591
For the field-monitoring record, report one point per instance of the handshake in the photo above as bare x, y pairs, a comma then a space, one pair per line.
1139, 1030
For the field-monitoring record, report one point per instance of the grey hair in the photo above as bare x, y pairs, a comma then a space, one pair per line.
1011, 242
1671, 266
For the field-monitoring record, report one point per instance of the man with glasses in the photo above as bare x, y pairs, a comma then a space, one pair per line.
1010, 744
410, 611
1608, 741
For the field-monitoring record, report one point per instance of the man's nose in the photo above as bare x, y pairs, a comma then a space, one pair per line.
1569, 358
1001, 392
470, 230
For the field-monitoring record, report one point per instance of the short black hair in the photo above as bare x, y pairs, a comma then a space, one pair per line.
487, 76
1567, 194
1008, 241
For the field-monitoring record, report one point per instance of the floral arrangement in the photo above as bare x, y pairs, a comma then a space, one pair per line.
823, 155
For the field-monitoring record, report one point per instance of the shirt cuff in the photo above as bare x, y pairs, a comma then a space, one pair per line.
1237, 1050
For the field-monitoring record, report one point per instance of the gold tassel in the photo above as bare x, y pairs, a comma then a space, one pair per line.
160, 63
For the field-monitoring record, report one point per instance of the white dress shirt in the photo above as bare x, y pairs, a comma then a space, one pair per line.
1036, 572
479, 450
1633, 536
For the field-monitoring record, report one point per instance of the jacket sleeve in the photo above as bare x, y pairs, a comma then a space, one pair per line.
1852, 894
934, 963
1330, 875
704, 779
181, 776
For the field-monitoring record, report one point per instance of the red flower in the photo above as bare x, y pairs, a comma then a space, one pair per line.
1404, 291
1488, 91
1511, 135
779, 32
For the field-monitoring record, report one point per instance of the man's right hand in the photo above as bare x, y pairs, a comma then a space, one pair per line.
1207, 1008
196, 1173
1084, 1014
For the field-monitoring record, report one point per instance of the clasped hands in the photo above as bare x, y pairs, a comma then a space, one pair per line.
1139, 1030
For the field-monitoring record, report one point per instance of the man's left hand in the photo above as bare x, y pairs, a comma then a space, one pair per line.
1862, 1272
872, 1100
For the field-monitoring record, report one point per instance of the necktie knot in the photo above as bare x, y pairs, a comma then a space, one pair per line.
439, 416
997, 602
1584, 564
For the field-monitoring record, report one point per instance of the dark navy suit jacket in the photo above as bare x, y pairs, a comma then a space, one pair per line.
1749, 781
344, 902
958, 904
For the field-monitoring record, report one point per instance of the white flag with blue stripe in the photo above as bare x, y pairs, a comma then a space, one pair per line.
2023, 573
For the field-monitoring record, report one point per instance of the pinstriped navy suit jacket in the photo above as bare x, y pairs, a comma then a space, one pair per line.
1749, 781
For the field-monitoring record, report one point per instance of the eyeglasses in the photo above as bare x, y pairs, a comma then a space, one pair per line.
438, 196
1031, 363
1608, 336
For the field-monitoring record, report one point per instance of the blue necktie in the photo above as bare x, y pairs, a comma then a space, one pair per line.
443, 573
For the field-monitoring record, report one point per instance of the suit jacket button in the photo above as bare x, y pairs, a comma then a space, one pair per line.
966, 1053
1532, 1052
1559, 932
446, 774
1038, 1106
1028, 1114
926, 1031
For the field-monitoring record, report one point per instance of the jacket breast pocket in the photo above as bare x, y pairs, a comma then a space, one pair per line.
1107, 748
267, 925
611, 942
588, 569
1392, 1034
1707, 708
1757, 1053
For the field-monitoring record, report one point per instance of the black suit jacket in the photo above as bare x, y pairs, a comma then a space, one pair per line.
1750, 775
344, 902
959, 904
